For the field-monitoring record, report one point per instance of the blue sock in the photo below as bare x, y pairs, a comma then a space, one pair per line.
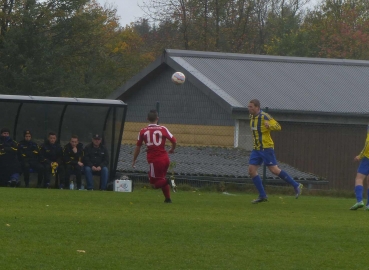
367, 197
259, 186
288, 179
359, 193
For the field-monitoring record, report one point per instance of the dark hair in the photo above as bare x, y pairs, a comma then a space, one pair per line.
256, 102
51, 133
5, 129
74, 137
152, 116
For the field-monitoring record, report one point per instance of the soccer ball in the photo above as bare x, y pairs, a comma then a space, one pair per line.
178, 78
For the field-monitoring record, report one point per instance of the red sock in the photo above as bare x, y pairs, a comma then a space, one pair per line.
166, 191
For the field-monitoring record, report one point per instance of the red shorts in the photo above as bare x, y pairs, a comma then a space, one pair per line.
158, 169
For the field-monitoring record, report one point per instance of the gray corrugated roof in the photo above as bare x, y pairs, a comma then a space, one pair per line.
280, 83
288, 86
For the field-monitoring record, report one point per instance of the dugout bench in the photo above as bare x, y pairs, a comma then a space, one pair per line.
66, 116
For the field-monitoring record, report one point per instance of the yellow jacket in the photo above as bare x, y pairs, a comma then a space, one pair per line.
260, 133
365, 151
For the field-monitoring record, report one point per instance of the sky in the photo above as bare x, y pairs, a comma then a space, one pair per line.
129, 11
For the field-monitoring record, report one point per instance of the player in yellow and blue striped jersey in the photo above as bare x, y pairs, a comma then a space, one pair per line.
261, 125
362, 173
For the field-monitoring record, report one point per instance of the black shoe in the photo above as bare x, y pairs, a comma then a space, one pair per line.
260, 199
168, 200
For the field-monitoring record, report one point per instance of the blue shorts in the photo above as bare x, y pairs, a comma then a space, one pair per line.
267, 156
364, 166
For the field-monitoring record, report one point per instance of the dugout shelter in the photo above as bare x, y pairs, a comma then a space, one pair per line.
66, 116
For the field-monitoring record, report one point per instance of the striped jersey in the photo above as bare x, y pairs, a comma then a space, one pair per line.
154, 136
260, 133
365, 151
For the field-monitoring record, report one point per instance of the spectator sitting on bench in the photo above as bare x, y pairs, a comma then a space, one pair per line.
96, 160
51, 156
28, 152
73, 155
9, 163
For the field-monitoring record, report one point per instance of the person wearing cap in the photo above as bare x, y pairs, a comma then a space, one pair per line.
73, 156
51, 157
29, 157
9, 163
96, 161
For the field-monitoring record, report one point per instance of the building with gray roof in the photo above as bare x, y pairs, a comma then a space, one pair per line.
322, 105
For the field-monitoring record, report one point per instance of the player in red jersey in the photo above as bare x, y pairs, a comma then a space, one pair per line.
154, 136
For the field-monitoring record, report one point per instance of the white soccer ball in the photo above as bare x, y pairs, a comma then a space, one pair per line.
178, 78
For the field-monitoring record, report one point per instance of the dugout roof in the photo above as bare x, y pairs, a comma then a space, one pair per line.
283, 84
66, 116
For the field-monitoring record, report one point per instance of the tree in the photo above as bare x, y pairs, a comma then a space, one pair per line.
61, 48
345, 29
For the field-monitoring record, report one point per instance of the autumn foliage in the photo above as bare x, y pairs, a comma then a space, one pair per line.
78, 48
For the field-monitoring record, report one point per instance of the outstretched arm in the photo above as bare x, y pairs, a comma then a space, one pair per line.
365, 149
171, 150
135, 155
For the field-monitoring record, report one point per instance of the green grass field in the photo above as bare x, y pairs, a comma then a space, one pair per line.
63, 229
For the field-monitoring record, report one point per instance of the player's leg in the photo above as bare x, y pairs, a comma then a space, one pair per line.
361, 174
157, 174
154, 176
359, 181
254, 163
286, 177
271, 161
367, 194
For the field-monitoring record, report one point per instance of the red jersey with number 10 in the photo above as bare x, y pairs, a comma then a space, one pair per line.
154, 137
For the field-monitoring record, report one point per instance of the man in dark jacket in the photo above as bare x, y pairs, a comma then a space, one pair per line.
96, 160
29, 157
73, 156
51, 157
9, 163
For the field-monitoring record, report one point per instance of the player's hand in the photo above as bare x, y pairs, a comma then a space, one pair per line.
266, 124
357, 158
93, 168
98, 168
171, 151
